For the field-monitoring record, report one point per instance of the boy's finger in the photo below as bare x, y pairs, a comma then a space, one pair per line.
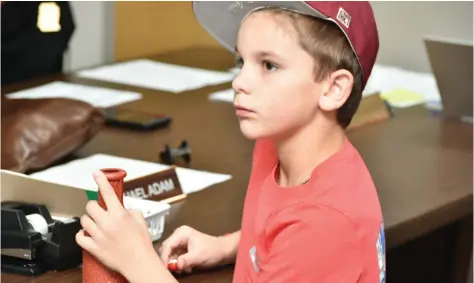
95, 212
186, 261
90, 226
85, 242
165, 252
107, 192
176, 240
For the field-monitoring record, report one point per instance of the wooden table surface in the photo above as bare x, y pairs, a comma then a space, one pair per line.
422, 165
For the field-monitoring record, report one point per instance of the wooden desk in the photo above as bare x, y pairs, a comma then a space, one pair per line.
421, 165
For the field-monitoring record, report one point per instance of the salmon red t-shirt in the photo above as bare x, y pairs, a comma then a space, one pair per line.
327, 230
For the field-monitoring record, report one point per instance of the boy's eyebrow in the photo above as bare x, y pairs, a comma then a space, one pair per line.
268, 54
261, 53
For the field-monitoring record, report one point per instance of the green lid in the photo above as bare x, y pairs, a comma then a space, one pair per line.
92, 195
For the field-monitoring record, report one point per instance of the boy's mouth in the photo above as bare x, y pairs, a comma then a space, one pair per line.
242, 111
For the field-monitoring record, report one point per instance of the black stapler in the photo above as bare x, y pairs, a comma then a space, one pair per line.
29, 252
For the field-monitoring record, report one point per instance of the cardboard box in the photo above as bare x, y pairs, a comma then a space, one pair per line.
64, 202
61, 201
372, 109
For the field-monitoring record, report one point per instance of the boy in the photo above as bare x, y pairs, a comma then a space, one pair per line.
311, 212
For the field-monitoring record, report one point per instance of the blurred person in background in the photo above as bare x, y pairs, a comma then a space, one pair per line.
35, 37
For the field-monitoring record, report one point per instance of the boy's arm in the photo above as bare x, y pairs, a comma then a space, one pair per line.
149, 270
230, 243
311, 244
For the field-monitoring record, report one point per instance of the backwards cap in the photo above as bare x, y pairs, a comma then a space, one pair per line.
222, 19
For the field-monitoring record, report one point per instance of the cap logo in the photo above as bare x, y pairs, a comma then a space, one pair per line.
344, 17
238, 6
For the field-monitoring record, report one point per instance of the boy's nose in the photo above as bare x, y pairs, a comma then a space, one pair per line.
240, 84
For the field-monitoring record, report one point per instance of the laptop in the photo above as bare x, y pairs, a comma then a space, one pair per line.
452, 63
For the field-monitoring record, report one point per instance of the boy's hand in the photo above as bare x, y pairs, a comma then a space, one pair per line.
118, 238
194, 249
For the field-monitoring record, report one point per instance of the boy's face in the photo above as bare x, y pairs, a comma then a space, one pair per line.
276, 85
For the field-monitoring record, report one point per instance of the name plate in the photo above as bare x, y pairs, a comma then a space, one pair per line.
159, 186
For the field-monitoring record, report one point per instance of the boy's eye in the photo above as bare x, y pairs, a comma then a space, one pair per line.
239, 62
269, 66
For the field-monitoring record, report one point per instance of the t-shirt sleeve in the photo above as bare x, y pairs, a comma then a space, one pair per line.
311, 244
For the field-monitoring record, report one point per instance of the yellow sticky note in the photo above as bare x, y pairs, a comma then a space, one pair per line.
402, 97
49, 15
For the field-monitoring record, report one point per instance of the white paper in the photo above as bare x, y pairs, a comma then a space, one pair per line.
96, 96
78, 173
157, 75
226, 95
387, 78
235, 70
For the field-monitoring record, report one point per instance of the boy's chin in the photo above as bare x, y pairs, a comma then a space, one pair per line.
250, 135
252, 132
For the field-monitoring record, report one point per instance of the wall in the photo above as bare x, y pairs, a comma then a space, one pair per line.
146, 28
92, 42
143, 28
402, 26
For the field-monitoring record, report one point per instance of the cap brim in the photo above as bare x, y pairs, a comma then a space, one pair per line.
222, 19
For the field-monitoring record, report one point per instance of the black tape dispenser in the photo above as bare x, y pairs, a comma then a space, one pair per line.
33, 242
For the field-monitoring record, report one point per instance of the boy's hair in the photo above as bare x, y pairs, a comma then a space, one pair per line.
331, 51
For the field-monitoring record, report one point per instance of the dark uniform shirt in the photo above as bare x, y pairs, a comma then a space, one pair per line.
28, 52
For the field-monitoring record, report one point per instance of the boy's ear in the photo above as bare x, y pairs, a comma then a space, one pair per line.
337, 91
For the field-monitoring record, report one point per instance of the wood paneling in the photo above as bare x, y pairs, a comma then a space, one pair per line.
145, 28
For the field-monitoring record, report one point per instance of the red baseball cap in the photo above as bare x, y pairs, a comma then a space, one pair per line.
222, 19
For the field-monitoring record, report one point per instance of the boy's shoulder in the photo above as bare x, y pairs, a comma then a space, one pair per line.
342, 183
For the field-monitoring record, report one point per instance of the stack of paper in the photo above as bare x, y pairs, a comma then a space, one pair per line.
223, 95
235, 70
402, 98
157, 75
96, 96
78, 173
402, 88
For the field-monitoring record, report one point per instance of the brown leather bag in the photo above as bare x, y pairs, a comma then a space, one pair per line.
39, 132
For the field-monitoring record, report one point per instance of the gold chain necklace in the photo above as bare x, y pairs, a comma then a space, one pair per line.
302, 183
305, 181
